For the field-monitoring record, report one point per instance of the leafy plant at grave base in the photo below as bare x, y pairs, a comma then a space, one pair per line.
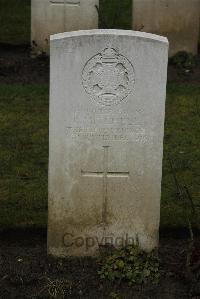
184, 61
130, 264
114, 295
57, 288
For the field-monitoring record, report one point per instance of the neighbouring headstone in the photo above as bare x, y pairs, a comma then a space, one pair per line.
176, 19
107, 107
55, 16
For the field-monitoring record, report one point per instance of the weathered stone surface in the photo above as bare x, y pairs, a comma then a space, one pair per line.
176, 19
55, 16
107, 104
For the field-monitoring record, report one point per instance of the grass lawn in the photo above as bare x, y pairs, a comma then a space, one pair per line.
24, 154
181, 144
115, 14
15, 20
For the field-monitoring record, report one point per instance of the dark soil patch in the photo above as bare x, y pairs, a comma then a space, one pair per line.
176, 75
27, 272
17, 66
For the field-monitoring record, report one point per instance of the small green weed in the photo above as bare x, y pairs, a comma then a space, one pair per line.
184, 61
114, 295
130, 264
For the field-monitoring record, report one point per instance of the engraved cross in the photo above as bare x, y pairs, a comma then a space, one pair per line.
105, 174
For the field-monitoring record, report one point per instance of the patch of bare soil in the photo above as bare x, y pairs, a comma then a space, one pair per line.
176, 75
27, 272
17, 66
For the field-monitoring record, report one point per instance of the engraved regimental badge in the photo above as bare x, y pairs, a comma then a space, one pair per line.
108, 77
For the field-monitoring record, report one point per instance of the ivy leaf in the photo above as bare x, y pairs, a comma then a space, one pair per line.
147, 272
120, 264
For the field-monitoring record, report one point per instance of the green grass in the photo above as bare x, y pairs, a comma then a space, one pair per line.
115, 14
182, 132
24, 153
15, 19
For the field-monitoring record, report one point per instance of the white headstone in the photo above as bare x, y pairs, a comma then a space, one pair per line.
107, 106
55, 16
176, 19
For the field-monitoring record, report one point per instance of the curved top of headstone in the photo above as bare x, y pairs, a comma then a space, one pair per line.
111, 32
